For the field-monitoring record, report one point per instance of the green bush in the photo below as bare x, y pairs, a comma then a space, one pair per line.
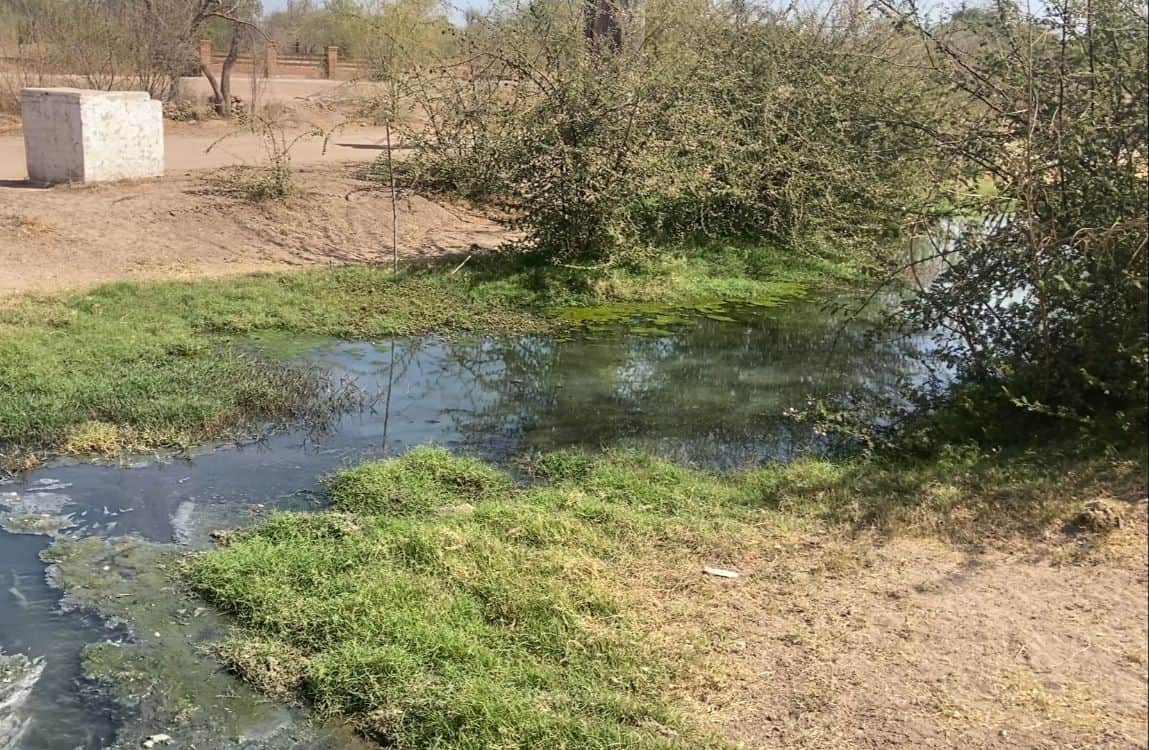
1041, 306
716, 124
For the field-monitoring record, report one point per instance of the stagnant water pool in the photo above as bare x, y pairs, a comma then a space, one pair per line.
712, 392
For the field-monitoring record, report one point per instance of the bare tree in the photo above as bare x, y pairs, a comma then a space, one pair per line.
221, 87
239, 15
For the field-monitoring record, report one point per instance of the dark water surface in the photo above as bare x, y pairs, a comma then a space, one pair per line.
711, 393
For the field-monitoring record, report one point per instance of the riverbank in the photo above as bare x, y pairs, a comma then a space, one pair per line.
625, 601
166, 365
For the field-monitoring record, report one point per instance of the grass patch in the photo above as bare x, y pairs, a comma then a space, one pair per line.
499, 625
253, 183
166, 364
439, 605
961, 495
86, 379
424, 479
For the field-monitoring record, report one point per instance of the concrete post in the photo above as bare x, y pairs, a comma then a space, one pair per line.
272, 59
332, 61
205, 52
82, 135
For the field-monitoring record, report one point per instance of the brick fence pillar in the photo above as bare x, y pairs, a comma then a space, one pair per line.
332, 62
205, 52
272, 60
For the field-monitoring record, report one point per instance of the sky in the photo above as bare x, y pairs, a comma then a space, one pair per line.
456, 9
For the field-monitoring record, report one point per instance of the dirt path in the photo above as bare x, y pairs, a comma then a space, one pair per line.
914, 643
181, 227
290, 90
185, 149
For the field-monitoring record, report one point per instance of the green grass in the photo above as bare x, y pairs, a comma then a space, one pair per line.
493, 626
424, 480
133, 366
439, 605
961, 494
730, 271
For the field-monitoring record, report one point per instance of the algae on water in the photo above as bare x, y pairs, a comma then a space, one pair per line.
40, 511
18, 675
155, 665
658, 318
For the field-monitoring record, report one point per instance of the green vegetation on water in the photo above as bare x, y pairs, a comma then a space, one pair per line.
164, 675
169, 364
439, 605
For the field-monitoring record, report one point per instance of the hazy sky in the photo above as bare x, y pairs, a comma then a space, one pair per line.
457, 8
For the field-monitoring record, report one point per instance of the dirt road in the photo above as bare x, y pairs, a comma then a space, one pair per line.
278, 89
186, 148
913, 643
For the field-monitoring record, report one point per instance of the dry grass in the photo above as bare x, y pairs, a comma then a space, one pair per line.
21, 225
833, 640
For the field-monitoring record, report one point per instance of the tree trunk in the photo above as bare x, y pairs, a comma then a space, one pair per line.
225, 72
221, 87
216, 96
610, 23
602, 25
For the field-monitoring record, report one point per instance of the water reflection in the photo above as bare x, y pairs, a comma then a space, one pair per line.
713, 395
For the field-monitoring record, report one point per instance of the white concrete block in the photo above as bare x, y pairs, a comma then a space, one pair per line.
80, 135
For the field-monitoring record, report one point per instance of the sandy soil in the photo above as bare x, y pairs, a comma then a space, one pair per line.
914, 643
281, 89
296, 104
186, 148
180, 227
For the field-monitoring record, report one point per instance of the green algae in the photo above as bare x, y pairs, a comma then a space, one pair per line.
650, 331
612, 312
659, 318
34, 513
286, 344
162, 675
655, 314
31, 523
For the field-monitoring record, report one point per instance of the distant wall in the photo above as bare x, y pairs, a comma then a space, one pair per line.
272, 63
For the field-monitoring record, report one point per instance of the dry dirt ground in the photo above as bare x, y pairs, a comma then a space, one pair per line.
180, 227
915, 643
213, 144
